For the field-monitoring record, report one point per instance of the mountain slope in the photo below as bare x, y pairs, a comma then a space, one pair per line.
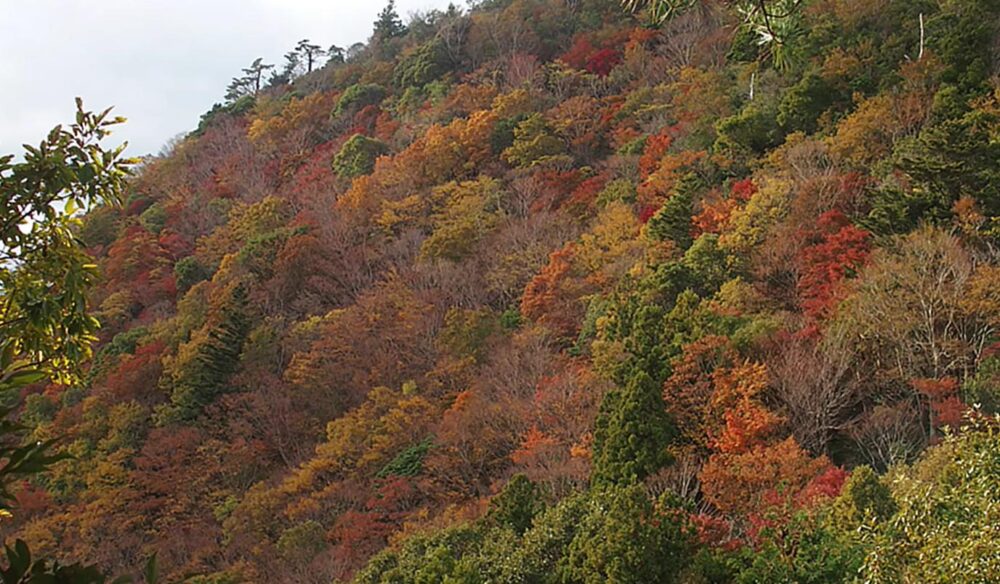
678, 283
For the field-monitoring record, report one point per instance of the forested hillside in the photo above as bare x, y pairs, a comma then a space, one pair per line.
548, 291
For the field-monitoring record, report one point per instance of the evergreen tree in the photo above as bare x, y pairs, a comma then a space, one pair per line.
673, 221
631, 433
309, 52
358, 155
249, 83
254, 74
336, 54
211, 358
290, 72
627, 538
388, 25
516, 505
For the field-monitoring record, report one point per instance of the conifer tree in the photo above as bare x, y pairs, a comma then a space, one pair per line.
631, 433
673, 221
516, 505
309, 52
206, 364
388, 25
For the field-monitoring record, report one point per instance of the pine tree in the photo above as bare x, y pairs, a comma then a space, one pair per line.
388, 25
309, 52
249, 83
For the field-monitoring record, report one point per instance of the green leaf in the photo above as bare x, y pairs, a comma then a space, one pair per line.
152, 571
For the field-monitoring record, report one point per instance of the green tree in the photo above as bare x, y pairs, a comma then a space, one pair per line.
250, 83
533, 143
357, 156
626, 538
805, 102
801, 548
754, 129
673, 221
189, 271
44, 272
205, 363
425, 64
955, 157
865, 497
153, 218
310, 52
388, 25
359, 96
516, 505
301, 543
631, 433
945, 529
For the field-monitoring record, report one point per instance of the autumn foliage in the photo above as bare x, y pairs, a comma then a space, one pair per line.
427, 312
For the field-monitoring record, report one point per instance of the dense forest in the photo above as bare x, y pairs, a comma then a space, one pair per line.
553, 291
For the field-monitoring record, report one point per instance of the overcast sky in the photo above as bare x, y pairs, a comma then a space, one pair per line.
161, 63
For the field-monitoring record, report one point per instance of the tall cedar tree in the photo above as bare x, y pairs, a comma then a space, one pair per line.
631, 433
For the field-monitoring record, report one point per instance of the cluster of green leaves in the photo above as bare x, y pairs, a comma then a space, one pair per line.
613, 534
44, 272
358, 155
945, 528
427, 63
407, 463
359, 96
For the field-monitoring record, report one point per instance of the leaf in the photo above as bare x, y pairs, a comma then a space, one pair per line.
152, 570
23, 378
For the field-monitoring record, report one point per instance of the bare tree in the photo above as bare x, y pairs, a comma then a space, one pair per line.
889, 434
817, 390
452, 32
907, 315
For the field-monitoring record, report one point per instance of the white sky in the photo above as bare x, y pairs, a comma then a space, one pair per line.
161, 63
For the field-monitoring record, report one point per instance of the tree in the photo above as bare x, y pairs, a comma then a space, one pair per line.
250, 83
425, 64
388, 26
533, 144
358, 155
336, 54
358, 97
554, 296
516, 505
740, 483
839, 251
255, 72
468, 215
944, 527
290, 71
625, 538
205, 363
769, 19
865, 497
910, 314
631, 433
44, 272
309, 52
673, 221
